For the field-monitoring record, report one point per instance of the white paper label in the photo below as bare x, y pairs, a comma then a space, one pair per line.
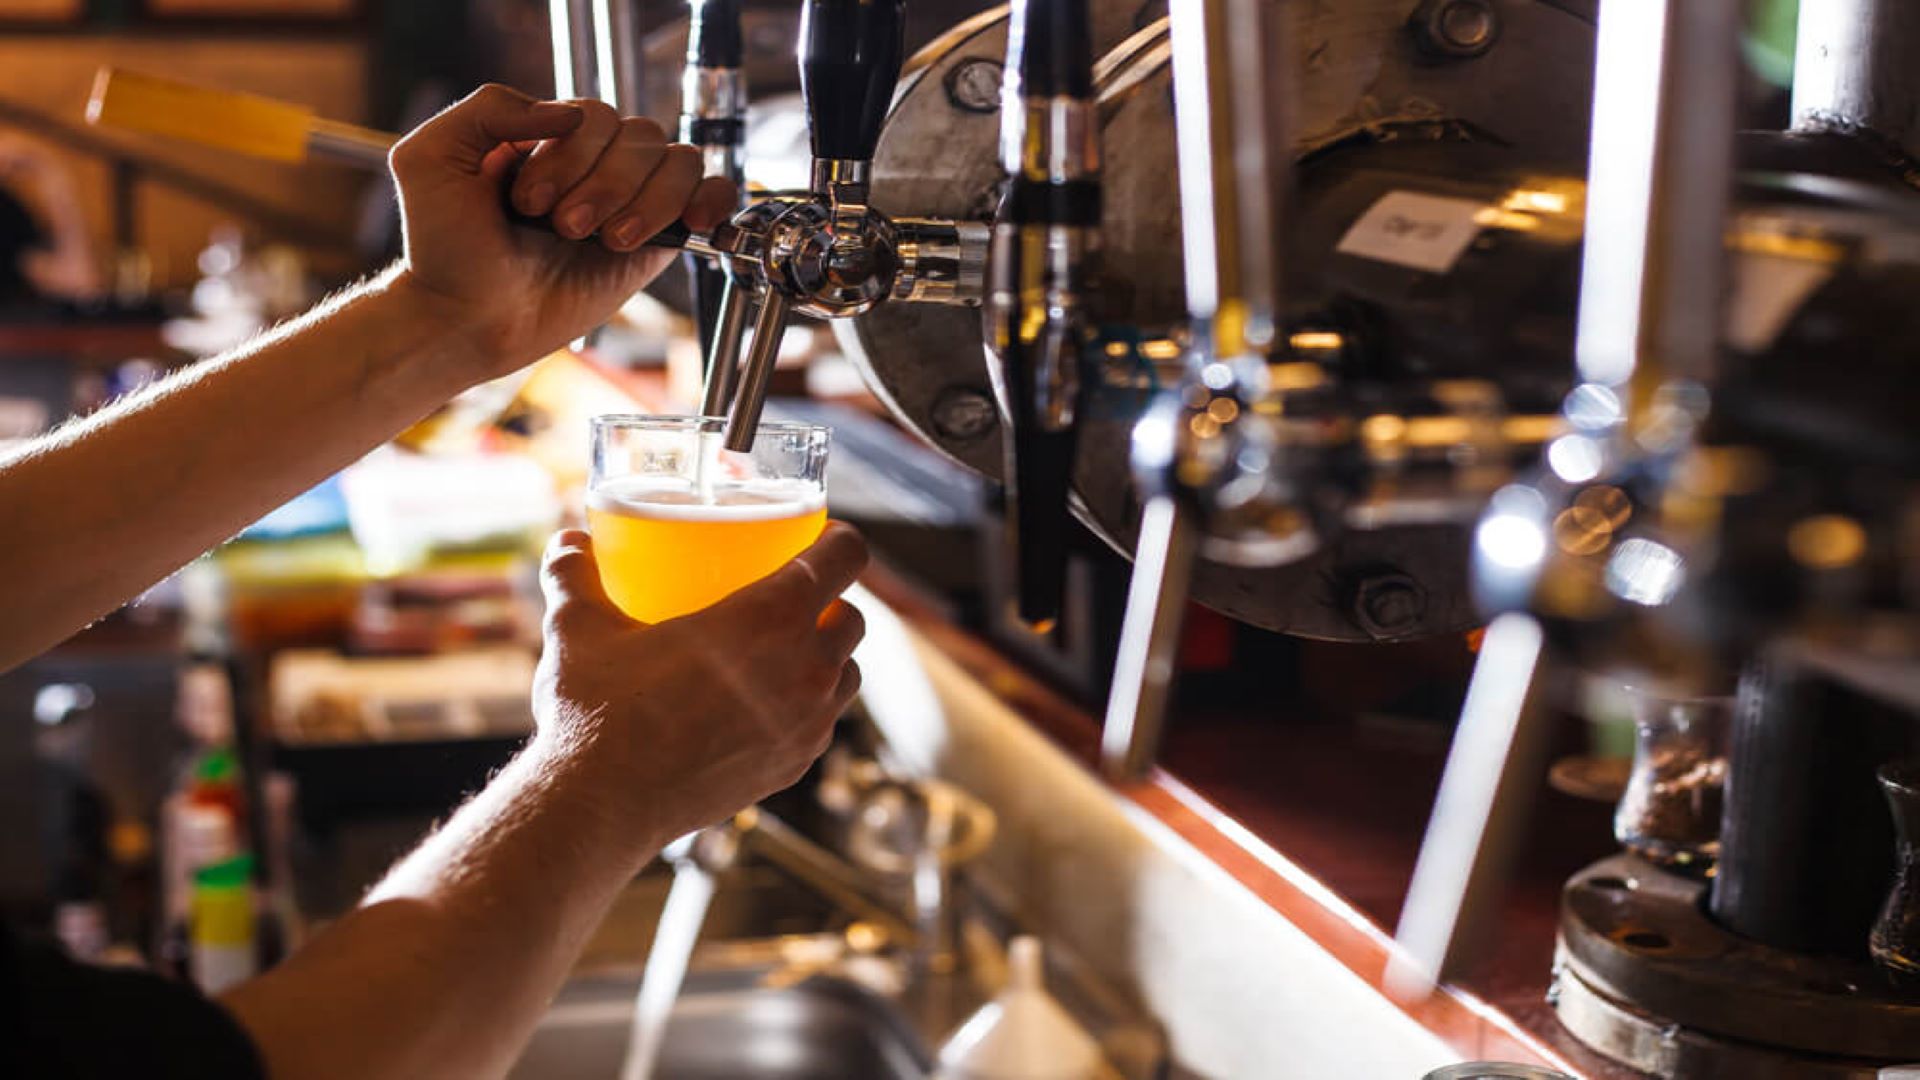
1421, 232
1768, 290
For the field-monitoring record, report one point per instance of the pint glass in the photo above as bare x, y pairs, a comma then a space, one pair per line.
679, 523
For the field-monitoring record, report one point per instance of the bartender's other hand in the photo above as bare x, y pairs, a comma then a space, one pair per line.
523, 290
684, 722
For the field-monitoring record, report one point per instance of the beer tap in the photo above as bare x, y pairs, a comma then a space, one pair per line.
1207, 464
1045, 235
713, 111
1583, 558
831, 254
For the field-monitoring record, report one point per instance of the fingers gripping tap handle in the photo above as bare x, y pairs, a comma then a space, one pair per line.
850, 56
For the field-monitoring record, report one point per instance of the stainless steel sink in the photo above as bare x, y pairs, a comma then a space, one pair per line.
727, 1027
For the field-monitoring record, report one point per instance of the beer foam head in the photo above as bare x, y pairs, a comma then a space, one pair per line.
670, 499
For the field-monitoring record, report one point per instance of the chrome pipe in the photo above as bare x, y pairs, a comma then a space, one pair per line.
751, 397
723, 359
1854, 70
576, 71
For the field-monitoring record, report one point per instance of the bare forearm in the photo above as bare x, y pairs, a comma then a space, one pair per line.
104, 508
451, 961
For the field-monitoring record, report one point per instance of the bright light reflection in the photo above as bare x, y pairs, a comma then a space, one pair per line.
1592, 407
1576, 458
1645, 572
1511, 541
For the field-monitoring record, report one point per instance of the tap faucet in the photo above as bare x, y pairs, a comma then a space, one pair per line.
1647, 340
830, 254
1045, 237
713, 117
1208, 465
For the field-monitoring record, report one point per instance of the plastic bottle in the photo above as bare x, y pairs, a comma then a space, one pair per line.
222, 925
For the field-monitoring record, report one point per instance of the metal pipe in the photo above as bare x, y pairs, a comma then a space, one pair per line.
575, 67
723, 352
1854, 69
757, 372
1235, 160
1460, 875
713, 117
616, 51
1231, 78
1143, 667
1661, 166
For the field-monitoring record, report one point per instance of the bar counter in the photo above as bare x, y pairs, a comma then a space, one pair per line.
1325, 832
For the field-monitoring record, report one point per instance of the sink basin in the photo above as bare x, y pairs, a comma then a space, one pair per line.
725, 1027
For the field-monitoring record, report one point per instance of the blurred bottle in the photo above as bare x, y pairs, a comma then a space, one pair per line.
223, 925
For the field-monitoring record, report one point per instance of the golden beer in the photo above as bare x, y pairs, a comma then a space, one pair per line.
665, 551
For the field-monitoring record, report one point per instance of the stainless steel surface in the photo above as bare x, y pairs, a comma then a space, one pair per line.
941, 262
576, 71
842, 180
1660, 177
1235, 167
750, 397
713, 93
1143, 668
726, 1026
1854, 70
723, 360
822, 871
1530, 91
1649, 322
1461, 873
617, 55
1057, 139
350, 145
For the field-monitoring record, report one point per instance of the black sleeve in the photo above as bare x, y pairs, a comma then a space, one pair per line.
62, 1020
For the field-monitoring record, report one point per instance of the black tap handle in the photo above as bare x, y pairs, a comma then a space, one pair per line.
713, 34
1053, 40
850, 56
1040, 478
1050, 54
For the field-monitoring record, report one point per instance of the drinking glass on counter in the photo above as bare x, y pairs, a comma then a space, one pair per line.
679, 523
1670, 813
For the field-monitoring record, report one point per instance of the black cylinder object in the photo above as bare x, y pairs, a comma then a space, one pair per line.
1806, 843
713, 36
850, 55
1054, 42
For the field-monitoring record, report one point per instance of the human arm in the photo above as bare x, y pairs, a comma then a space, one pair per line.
645, 733
105, 507
63, 265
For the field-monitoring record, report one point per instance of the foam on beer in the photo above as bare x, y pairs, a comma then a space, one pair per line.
659, 498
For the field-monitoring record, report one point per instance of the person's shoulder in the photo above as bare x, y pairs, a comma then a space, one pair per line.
60, 1018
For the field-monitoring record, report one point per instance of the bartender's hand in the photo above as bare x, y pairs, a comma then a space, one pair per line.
518, 291
690, 720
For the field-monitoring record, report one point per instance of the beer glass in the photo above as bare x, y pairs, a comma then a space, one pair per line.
679, 523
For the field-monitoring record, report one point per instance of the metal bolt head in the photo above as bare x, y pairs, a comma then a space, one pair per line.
1389, 605
1455, 29
963, 414
974, 85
